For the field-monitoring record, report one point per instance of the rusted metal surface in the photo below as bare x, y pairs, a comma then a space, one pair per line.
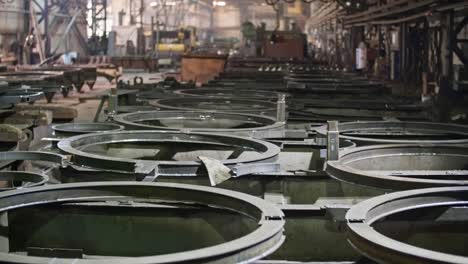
201, 69
76, 75
136, 62
49, 81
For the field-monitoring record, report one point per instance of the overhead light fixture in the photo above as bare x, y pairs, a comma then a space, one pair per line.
153, 4
219, 3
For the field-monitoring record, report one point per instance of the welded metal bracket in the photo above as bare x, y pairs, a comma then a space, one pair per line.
333, 141
217, 171
148, 170
244, 169
281, 108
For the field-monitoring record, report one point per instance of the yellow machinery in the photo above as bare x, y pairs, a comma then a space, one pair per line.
179, 41
174, 47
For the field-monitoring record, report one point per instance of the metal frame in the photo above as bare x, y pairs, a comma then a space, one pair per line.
268, 153
267, 127
383, 249
400, 179
96, 41
99, 17
62, 11
256, 245
458, 28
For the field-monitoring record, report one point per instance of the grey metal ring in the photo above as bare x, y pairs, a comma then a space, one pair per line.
383, 249
267, 152
69, 129
32, 155
8, 146
423, 132
261, 126
33, 179
399, 167
229, 93
253, 246
216, 104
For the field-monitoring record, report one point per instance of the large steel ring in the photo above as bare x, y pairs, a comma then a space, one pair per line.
229, 93
7, 146
32, 155
399, 132
379, 246
210, 122
399, 167
257, 244
216, 104
265, 152
23, 178
28, 179
71, 129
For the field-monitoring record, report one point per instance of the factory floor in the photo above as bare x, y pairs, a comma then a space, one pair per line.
87, 102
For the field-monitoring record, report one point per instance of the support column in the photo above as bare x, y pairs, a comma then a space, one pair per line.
403, 49
446, 93
447, 44
45, 15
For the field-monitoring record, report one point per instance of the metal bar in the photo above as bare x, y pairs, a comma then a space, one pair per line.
460, 54
461, 25
45, 15
392, 12
36, 33
67, 30
333, 142
99, 109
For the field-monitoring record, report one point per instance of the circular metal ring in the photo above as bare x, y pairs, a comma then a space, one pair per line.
216, 105
32, 155
265, 152
71, 129
7, 146
265, 239
229, 93
33, 179
338, 88
399, 132
29, 179
210, 122
383, 249
346, 110
398, 167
